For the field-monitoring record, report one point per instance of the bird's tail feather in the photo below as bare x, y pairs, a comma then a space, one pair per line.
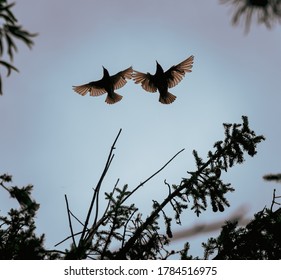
115, 97
167, 99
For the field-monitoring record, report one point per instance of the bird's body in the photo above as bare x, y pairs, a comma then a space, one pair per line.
162, 81
106, 85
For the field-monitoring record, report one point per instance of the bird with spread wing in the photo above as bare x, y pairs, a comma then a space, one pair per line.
161, 80
106, 85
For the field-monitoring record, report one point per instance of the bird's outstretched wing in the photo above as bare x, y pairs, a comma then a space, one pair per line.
95, 88
146, 81
119, 79
176, 73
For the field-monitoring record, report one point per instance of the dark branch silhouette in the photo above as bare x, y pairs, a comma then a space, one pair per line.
9, 31
267, 12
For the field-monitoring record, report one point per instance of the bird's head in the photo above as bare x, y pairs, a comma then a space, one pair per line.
159, 67
105, 72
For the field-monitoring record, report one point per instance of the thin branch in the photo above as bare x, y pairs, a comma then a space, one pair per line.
69, 221
1, 184
149, 178
110, 234
108, 162
273, 200
95, 225
169, 187
96, 199
76, 218
97, 192
105, 215
65, 239
170, 192
126, 225
122, 252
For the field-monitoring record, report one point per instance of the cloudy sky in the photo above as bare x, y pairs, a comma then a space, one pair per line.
58, 140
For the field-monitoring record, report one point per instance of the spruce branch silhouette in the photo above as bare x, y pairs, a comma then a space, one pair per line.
227, 153
140, 238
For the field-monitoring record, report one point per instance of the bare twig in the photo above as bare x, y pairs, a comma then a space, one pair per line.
94, 199
76, 218
97, 191
95, 196
1, 184
65, 239
149, 178
96, 225
274, 200
126, 225
69, 221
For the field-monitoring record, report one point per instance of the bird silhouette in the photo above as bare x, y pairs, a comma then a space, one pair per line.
161, 80
106, 85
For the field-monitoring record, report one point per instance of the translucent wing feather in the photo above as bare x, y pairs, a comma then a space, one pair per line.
94, 88
119, 79
176, 73
145, 80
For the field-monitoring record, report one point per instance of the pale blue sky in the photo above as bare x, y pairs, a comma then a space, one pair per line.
58, 140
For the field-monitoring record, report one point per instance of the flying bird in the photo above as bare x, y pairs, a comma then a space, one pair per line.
161, 80
106, 85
